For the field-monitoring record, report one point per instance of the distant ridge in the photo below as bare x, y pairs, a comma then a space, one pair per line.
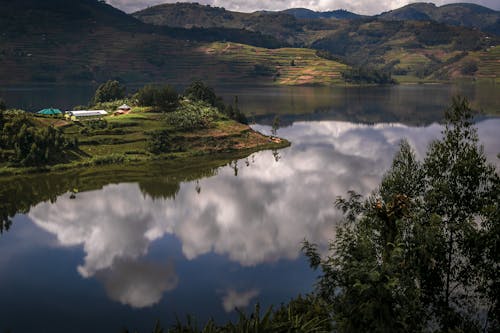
304, 13
458, 14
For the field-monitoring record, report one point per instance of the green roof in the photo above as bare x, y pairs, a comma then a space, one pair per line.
49, 112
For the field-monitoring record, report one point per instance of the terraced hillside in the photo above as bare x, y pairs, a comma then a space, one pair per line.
89, 41
489, 64
285, 66
413, 51
55, 41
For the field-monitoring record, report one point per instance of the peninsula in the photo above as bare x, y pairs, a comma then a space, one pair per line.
155, 123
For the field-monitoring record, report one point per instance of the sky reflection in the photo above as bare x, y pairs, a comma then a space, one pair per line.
260, 216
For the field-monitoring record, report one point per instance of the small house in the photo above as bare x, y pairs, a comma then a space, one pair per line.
85, 114
124, 107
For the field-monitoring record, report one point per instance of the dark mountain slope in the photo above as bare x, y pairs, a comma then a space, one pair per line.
304, 13
87, 40
458, 14
281, 26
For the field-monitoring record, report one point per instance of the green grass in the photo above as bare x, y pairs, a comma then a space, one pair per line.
125, 140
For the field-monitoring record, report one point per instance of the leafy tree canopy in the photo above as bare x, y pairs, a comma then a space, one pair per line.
424, 249
109, 91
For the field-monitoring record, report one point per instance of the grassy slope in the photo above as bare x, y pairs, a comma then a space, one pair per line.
307, 68
125, 140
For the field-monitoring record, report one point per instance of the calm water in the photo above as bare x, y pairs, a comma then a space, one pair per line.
147, 243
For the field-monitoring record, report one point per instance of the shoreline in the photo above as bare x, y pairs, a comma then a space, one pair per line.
176, 158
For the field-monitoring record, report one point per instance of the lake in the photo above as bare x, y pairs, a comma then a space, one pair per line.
99, 250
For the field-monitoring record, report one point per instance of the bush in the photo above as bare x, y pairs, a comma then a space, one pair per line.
109, 91
3, 106
32, 146
164, 98
198, 91
96, 124
159, 142
193, 116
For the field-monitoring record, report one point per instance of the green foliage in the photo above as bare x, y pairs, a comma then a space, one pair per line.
109, 91
328, 55
198, 91
164, 98
462, 189
192, 116
232, 111
3, 105
96, 124
32, 146
422, 249
301, 315
159, 141
368, 76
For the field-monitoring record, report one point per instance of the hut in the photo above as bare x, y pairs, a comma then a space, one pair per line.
50, 112
124, 107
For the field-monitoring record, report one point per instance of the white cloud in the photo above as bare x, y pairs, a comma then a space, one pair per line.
369, 7
260, 216
136, 283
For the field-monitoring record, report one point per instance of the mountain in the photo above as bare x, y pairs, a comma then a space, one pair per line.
304, 13
458, 14
56, 41
60, 41
281, 26
420, 49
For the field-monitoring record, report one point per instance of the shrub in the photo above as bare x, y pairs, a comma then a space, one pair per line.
159, 142
3, 106
198, 91
193, 116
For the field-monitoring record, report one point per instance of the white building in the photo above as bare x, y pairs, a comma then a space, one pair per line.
82, 114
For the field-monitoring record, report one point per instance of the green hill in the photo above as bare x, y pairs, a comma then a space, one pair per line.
56, 41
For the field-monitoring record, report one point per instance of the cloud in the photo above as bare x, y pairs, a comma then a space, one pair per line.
237, 300
258, 217
368, 7
138, 284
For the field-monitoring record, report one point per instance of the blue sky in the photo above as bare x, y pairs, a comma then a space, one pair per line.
359, 6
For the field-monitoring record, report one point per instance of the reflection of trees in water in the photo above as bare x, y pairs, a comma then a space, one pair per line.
159, 181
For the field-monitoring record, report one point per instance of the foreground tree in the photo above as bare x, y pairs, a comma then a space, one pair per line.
422, 252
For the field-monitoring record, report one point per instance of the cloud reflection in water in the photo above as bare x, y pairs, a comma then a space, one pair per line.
260, 216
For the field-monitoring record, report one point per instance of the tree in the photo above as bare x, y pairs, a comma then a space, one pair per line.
423, 248
164, 98
368, 279
461, 189
198, 91
109, 91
